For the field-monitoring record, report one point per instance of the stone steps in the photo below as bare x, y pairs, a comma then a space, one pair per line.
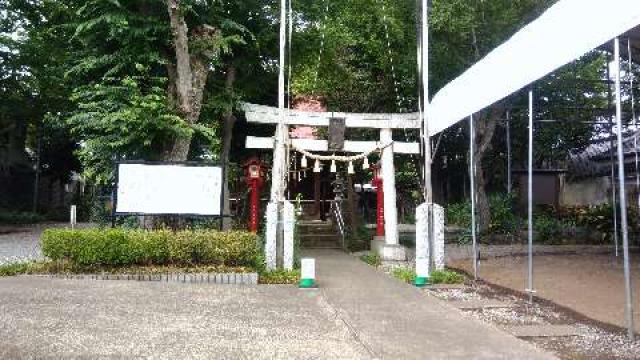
318, 235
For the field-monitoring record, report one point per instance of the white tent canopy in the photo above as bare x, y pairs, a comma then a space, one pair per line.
564, 33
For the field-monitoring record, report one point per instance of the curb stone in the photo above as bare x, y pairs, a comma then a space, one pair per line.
194, 278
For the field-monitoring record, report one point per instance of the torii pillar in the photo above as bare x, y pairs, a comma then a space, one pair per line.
391, 250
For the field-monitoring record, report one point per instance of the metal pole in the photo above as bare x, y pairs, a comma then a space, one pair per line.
635, 121
613, 195
530, 202
424, 61
623, 202
509, 180
36, 185
279, 156
472, 175
614, 205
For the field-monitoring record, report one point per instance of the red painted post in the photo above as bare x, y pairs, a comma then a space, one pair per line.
254, 173
377, 182
254, 207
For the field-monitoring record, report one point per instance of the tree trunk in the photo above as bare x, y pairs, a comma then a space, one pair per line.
228, 122
185, 92
187, 77
183, 60
485, 127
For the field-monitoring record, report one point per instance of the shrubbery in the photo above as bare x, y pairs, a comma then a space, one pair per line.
551, 225
120, 247
404, 274
504, 219
280, 277
372, 259
445, 277
19, 218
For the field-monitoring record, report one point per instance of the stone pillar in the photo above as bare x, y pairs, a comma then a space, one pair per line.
430, 249
438, 237
423, 253
270, 236
289, 233
391, 249
278, 189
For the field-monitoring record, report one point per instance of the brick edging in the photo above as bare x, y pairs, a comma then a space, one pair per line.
190, 278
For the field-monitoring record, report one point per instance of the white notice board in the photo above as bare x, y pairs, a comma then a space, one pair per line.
169, 189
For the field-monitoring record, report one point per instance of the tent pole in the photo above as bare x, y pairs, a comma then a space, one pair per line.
634, 120
472, 176
509, 180
614, 200
614, 204
424, 64
623, 202
530, 203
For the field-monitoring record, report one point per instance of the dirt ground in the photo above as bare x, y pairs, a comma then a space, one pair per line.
592, 285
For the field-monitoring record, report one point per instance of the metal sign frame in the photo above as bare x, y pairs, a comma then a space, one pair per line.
114, 195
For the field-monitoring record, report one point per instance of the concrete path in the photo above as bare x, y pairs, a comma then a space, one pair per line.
358, 313
43, 318
397, 321
22, 242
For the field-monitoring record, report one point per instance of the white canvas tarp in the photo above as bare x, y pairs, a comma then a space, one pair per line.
564, 33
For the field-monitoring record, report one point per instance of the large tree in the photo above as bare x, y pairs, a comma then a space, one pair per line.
33, 93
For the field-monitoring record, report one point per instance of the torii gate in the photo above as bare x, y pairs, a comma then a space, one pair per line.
429, 217
391, 249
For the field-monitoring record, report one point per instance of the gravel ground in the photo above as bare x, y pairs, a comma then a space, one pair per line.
593, 342
590, 284
22, 243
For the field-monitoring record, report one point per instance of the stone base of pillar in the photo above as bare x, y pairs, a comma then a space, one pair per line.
376, 244
393, 253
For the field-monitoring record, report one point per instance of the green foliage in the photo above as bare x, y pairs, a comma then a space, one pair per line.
372, 259
18, 218
65, 267
445, 277
23, 268
504, 218
118, 247
598, 218
547, 228
459, 214
404, 274
122, 116
503, 214
279, 277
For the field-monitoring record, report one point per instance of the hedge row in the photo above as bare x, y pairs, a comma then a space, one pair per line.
119, 247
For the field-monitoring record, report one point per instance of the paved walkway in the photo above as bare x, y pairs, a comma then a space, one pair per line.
22, 242
397, 321
358, 313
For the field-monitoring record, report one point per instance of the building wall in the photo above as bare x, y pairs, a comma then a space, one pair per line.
590, 191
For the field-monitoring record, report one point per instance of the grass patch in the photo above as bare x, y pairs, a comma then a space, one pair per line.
404, 274
408, 275
279, 277
372, 259
446, 277
65, 267
24, 268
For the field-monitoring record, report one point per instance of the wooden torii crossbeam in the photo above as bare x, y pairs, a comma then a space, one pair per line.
269, 115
